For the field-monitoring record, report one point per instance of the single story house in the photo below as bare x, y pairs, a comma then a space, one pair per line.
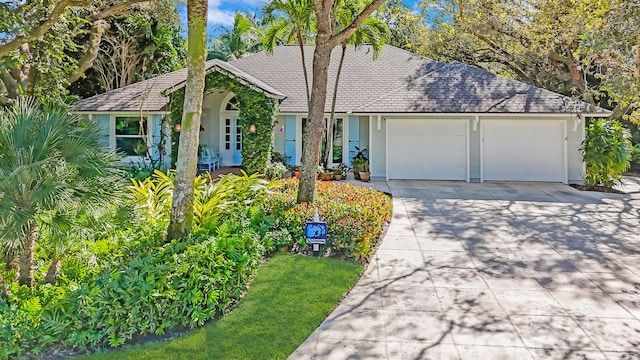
418, 118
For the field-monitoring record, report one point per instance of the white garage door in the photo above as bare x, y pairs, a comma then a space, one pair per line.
517, 150
427, 149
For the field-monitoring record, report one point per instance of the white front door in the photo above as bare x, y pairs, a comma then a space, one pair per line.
427, 149
524, 150
231, 140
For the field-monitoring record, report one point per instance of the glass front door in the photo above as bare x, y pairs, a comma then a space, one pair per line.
233, 139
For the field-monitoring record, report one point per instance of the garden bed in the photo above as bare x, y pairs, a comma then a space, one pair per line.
290, 296
128, 285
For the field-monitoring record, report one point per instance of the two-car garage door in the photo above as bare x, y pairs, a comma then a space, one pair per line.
511, 150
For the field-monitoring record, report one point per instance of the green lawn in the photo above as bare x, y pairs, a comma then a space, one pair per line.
287, 300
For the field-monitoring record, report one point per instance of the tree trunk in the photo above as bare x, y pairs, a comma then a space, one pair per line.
5, 290
186, 166
54, 270
27, 258
332, 119
325, 42
11, 263
315, 124
304, 66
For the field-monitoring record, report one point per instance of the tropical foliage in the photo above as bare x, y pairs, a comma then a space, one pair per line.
243, 38
128, 282
53, 174
607, 152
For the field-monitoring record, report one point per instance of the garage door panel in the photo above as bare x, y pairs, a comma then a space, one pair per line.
523, 150
427, 149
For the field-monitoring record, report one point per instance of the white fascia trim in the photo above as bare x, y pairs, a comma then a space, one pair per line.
470, 115
121, 112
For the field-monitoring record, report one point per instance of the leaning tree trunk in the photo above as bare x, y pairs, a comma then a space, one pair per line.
315, 124
186, 167
54, 270
304, 66
26, 261
332, 119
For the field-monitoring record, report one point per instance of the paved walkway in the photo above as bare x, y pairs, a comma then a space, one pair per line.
494, 271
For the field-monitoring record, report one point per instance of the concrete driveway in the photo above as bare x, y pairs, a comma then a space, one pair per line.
494, 271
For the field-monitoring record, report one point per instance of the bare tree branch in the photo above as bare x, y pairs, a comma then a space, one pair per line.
93, 47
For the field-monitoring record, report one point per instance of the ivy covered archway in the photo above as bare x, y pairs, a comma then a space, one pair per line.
256, 119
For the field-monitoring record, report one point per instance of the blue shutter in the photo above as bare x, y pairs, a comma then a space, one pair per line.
104, 123
354, 136
290, 137
156, 137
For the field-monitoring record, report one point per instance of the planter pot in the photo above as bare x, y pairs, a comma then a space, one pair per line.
337, 177
296, 174
356, 175
364, 176
343, 176
325, 177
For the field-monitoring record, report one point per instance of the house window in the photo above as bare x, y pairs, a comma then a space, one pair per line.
227, 134
337, 141
232, 105
129, 135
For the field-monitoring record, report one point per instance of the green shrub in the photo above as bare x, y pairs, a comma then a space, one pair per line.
635, 157
275, 170
355, 215
607, 153
212, 199
151, 290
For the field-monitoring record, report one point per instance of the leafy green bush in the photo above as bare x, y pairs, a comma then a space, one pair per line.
212, 199
275, 170
607, 153
355, 215
129, 283
153, 288
635, 157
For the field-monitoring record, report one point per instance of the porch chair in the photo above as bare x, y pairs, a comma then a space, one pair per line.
208, 159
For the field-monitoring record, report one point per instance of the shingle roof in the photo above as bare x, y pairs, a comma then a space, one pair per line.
398, 82
461, 88
150, 95
361, 80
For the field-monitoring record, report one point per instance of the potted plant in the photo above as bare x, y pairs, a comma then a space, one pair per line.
364, 171
296, 171
319, 170
337, 173
344, 169
357, 162
326, 175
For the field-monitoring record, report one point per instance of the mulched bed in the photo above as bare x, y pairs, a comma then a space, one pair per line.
597, 189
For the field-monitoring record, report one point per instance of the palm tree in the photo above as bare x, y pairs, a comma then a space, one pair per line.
245, 37
50, 160
373, 31
182, 204
290, 21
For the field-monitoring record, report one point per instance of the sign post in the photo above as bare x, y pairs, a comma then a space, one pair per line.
316, 234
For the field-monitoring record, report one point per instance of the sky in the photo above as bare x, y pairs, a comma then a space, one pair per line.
221, 12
